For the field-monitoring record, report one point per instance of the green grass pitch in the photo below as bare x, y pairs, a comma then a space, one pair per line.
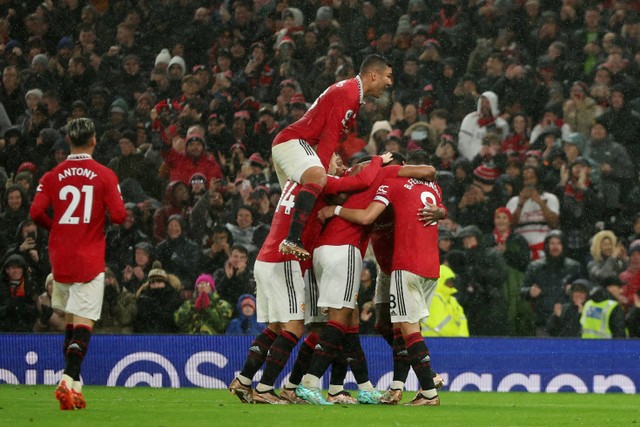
143, 406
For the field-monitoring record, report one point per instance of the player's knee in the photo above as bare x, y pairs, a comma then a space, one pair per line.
315, 175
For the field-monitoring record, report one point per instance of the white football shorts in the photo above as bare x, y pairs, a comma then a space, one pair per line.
79, 299
337, 269
410, 296
280, 291
292, 158
313, 313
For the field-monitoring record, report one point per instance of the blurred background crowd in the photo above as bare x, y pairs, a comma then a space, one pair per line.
529, 109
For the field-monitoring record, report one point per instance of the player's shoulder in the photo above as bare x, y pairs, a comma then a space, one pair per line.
347, 87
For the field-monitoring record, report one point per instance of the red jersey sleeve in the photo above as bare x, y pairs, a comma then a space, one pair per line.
41, 203
113, 200
356, 182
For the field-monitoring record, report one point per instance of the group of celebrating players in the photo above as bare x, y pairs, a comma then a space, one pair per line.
318, 287
295, 290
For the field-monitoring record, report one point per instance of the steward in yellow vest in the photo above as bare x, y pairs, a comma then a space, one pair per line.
602, 316
446, 315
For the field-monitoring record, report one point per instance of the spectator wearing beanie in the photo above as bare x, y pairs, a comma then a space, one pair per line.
246, 322
481, 198
205, 312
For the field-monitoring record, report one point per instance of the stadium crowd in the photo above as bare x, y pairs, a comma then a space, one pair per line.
529, 109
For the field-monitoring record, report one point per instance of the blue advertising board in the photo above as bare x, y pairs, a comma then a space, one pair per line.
472, 364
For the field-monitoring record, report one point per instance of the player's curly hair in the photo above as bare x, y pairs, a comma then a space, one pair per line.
80, 131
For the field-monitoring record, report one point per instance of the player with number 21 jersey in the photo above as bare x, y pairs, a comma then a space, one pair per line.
79, 189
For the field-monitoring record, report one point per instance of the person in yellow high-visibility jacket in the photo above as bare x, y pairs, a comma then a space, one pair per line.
446, 315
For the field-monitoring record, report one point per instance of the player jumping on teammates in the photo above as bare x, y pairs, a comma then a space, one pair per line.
302, 151
80, 190
281, 291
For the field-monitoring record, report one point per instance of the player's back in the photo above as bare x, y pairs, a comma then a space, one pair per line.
415, 246
79, 190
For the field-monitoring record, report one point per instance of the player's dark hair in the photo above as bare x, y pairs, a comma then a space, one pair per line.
364, 159
80, 131
374, 62
398, 158
418, 157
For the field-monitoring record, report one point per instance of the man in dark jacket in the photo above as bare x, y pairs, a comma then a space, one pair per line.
482, 283
565, 320
545, 280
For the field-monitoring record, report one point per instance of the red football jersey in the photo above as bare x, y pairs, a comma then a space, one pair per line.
339, 231
80, 190
415, 246
282, 217
328, 118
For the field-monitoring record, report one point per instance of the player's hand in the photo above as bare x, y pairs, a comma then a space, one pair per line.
430, 214
326, 213
386, 158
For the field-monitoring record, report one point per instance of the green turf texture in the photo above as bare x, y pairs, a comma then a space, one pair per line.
142, 406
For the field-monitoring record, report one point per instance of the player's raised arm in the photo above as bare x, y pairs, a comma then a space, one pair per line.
426, 172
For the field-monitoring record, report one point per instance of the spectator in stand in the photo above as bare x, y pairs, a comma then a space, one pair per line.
243, 228
198, 186
177, 201
17, 294
565, 320
32, 245
136, 271
122, 238
119, 307
603, 315
481, 198
132, 164
49, 319
11, 93
482, 285
534, 211
546, 281
517, 140
15, 210
580, 110
631, 276
178, 254
246, 321
188, 156
366, 293
236, 277
216, 248
609, 257
622, 123
616, 168
476, 124
157, 300
205, 312
580, 208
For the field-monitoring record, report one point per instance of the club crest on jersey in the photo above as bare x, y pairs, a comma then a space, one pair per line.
302, 307
348, 116
383, 189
